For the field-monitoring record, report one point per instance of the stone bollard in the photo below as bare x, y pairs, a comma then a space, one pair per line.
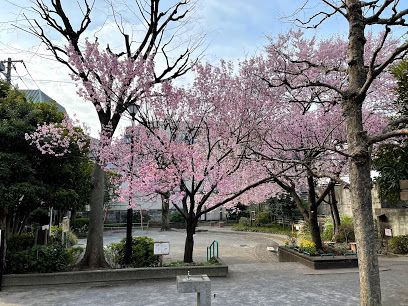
196, 283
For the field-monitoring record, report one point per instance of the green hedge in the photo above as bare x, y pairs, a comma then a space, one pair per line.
175, 216
142, 253
20, 242
273, 229
398, 244
42, 259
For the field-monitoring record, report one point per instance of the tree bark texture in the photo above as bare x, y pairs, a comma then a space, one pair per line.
94, 256
313, 221
359, 163
165, 212
189, 245
335, 212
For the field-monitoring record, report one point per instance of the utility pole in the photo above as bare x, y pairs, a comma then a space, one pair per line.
9, 62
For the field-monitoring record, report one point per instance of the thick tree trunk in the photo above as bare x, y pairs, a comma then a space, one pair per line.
360, 188
313, 222
94, 255
189, 245
165, 212
359, 163
314, 229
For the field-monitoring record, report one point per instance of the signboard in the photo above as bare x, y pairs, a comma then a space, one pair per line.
388, 232
65, 224
161, 248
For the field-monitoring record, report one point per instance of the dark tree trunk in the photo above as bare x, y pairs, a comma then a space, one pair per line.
189, 245
335, 212
165, 197
94, 256
313, 221
315, 230
128, 245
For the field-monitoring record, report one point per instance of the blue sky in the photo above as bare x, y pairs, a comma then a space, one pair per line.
233, 29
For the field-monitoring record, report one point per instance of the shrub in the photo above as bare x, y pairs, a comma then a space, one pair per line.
142, 253
175, 217
346, 233
304, 231
56, 235
42, 259
398, 244
74, 254
80, 226
20, 242
262, 218
307, 246
244, 221
346, 230
328, 230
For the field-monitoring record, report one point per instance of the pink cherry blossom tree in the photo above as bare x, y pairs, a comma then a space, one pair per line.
111, 80
352, 75
195, 146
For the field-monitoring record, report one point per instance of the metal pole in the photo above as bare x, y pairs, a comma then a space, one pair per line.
129, 217
49, 229
8, 73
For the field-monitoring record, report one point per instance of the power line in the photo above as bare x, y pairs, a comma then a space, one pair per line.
55, 81
14, 66
30, 75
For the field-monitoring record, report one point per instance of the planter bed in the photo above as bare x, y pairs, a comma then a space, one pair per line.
109, 275
317, 262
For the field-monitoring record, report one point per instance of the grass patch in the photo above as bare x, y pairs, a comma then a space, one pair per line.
180, 263
273, 229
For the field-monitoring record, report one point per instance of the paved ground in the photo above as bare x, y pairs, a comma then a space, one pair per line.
256, 278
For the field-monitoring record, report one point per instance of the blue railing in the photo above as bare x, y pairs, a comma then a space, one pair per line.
212, 250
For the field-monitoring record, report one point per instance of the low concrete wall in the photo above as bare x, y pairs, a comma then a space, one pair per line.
397, 219
317, 262
109, 275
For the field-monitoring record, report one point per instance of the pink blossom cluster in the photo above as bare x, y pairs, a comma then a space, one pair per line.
228, 137
108, 80
57, 138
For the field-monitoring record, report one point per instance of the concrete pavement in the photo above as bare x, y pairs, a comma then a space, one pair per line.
256, 278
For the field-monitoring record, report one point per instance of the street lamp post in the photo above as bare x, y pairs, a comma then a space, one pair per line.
132, 110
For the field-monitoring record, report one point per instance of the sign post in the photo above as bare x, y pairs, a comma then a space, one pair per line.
161, 248
65, 229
